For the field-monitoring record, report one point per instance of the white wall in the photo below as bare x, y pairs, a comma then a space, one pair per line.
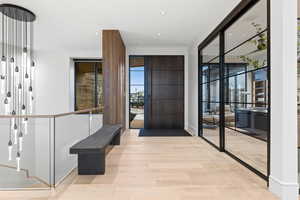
193, 90
150, 50
54, 78
54, 93
284, 171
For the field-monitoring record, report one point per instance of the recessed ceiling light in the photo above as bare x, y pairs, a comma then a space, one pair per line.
163, 13
158, 34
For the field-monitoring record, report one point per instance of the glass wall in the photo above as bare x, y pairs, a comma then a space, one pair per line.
239, 119
210, 83
246, 78
35, 162
136, 94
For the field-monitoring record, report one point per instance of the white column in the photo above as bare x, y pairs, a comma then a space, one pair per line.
284, 162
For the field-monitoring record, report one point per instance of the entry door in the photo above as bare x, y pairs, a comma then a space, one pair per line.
164, 92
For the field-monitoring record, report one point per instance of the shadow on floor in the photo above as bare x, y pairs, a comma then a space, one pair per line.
163, 132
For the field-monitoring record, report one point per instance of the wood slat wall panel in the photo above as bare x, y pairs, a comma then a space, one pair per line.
114, 52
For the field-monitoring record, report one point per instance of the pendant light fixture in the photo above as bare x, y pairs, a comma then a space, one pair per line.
16, 73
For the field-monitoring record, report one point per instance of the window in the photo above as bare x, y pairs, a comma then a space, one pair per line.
88, 85
136, 95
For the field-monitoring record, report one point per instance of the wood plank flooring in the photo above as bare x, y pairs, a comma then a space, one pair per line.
160, 168
249, 149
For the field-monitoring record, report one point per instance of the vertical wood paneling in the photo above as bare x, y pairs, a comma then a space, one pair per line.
114, 53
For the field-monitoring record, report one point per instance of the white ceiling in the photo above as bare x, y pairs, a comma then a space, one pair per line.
72, 24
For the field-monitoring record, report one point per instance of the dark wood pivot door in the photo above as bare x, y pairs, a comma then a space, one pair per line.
164, 92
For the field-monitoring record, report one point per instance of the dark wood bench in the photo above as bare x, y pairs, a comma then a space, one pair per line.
91, 150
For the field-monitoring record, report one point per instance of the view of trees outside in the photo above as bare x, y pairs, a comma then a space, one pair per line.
136, 97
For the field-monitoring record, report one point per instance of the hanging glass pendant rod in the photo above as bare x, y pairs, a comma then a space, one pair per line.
16, 73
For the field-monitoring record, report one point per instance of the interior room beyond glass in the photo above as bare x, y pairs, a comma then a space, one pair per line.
234, 87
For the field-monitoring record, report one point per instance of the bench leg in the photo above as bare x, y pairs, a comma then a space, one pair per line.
91, 163
116, 140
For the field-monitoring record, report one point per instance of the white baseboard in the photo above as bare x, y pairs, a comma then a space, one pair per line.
284, 190
192, 130
186, 127
65, 176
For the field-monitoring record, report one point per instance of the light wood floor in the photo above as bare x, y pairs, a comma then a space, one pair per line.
137, 123
249, 149
160, 168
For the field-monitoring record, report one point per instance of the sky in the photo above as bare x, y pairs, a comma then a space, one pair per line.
137, 79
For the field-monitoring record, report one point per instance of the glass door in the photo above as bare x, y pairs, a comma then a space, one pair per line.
210, 101
136, 92
234, 89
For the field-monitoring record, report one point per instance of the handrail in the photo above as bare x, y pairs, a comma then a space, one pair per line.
78, 112
52, 116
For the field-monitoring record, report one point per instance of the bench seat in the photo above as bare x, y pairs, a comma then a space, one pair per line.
91, 150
